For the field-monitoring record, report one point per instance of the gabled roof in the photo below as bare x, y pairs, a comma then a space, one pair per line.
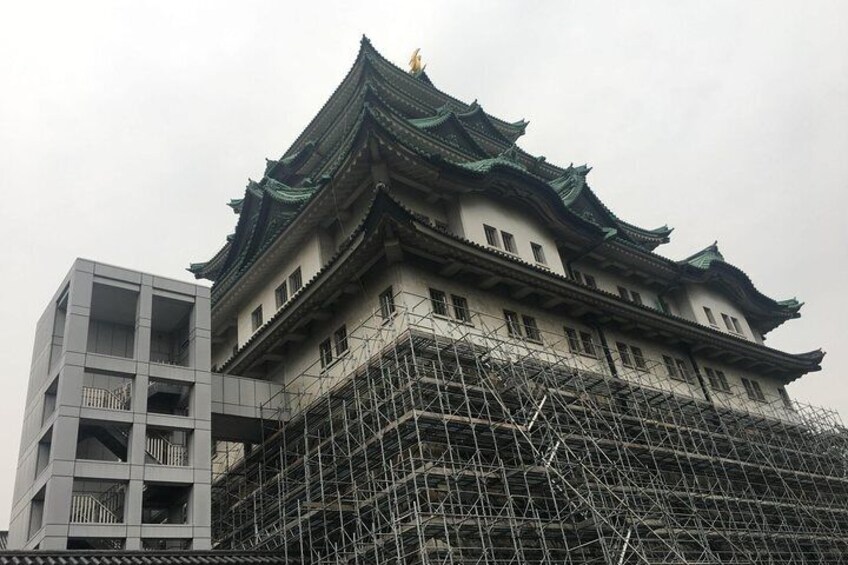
453, 130
709, 266
388, 218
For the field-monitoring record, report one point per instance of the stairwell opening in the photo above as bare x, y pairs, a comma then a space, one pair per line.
170, 331
97, 501
107, 390
111, 327
99, 440
165, 503
168, 397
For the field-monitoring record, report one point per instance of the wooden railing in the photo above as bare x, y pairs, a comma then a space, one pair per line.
94, 397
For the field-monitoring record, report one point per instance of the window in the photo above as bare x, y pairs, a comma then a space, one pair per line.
538, 253
677, 369
573, 342
753, 389
531, 330
583, 278
580, 342
587, 344
727, 323
441, 225
340, 339
295, 281
624, 353
509, 242
438, 301
256, 318
638, 358
325, 351
491, 236
784, 396
718, 380
710, 316
512, 326
737, 326
630, 295
460, 308
387, 304
281, 294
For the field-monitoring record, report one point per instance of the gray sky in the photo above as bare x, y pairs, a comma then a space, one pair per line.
126, 127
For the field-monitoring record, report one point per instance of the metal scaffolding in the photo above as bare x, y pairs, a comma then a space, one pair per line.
434, 440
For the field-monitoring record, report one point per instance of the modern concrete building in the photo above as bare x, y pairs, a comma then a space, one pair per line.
117, 429
429, 346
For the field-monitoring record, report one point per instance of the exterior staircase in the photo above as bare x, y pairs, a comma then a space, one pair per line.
98, 508
117, 399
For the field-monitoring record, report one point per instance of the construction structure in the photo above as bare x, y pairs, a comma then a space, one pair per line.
429, 346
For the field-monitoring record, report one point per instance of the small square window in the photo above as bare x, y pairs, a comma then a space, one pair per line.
624, 293
256, 318
531, 329
512, 325
441, 225
460, 308
387, 304
325, 350
509, 242
295, 281
438, 301
590, 281
340, 339
727, 323
491, 236
710, 317
636, 297
281, 294
538, 253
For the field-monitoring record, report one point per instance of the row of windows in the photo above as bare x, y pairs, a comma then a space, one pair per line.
456, 309
584, 278
630, 295
730, 322
509, 244
522, 326
333, 347
287, 288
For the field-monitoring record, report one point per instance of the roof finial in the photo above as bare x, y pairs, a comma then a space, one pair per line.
415, 66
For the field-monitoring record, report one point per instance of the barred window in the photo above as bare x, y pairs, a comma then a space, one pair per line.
387, 304
438, 301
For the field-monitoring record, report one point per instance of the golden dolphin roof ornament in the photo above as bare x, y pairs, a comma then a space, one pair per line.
415, 66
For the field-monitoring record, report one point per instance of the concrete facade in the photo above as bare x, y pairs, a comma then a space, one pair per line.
117, 429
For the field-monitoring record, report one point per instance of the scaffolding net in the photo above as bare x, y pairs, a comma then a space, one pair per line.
438, 440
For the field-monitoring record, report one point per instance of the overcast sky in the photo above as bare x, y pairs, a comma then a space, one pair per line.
125, 127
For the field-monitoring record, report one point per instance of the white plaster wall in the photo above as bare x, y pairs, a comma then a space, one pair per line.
476, 210
656, 375
737, 398
700, 295
308, 258
609, 282
301, 370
